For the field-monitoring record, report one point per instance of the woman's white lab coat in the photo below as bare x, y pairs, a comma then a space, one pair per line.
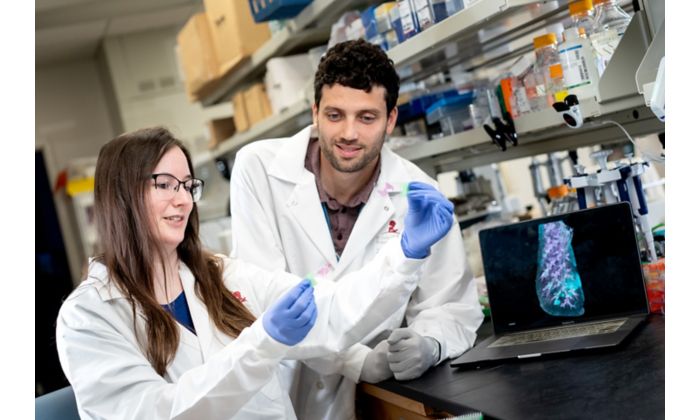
213, 376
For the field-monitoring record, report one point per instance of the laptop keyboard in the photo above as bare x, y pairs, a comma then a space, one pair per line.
559, 333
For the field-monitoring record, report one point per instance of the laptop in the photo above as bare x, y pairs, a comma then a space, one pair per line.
561, 283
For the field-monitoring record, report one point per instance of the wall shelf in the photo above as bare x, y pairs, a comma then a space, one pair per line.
288, 121
460, 25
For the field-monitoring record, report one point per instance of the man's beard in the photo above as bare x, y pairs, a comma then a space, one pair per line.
352, 166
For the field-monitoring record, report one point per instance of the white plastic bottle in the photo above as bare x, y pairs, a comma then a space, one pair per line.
578, 63
609, 26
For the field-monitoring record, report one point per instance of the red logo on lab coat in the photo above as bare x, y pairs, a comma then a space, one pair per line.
392, 227
238, 296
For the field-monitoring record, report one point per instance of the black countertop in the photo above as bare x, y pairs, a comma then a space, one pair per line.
621, 383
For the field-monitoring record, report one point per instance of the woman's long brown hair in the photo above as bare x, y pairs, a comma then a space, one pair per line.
130, 251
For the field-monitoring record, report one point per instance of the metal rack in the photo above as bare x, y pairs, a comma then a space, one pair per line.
539, 132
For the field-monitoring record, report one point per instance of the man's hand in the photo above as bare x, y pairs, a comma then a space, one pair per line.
428, 220
376, 366
411, 354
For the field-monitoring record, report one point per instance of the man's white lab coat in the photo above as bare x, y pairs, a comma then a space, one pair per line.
278, 222
212, 375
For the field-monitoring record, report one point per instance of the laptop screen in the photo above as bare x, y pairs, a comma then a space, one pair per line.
563, 269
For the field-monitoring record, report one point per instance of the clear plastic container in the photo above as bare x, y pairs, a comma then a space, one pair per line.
452, 113
549, 75
609, 26
579, 64
609, 15
524, 97
581, 12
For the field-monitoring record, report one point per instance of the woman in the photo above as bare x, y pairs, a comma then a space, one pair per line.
163, 329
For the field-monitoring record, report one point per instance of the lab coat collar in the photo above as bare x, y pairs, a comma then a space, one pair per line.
98, 277
288, 164
200, 317
304, 203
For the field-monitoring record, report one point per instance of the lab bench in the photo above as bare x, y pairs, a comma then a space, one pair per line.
620, 383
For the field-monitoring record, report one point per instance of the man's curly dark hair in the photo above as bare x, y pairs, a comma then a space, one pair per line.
357, 64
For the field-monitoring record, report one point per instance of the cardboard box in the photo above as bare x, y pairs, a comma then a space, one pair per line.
257, 104
198, 59
240, 114
219, 130
234, 32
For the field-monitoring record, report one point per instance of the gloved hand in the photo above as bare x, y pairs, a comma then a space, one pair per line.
376, 366
411, 354
429, 218
290, 318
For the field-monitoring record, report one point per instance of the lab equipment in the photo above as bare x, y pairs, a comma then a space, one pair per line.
292, 316
658, 98
570, 111
621, 183
429, 218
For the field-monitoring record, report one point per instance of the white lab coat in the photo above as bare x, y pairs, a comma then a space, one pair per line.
213, 376
277, 220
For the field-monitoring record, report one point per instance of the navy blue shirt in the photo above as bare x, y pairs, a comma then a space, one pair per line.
179, 309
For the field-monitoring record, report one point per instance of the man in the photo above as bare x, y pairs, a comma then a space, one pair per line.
322, 203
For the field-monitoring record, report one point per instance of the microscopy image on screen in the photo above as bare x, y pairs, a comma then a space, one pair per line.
558, 282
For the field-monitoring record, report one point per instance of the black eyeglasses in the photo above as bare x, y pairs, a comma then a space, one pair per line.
167, 185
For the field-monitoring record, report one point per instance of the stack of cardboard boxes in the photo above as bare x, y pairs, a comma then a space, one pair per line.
213, 44
216, 42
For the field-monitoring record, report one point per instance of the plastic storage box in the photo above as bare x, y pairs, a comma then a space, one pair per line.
417, 106
264, 10
452, 112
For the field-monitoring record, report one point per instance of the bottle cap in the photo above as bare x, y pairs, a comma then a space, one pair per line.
559, 191
544, 40
580, 7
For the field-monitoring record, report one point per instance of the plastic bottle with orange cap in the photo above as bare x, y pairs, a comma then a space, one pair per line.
609, 25
576, 52
549, 75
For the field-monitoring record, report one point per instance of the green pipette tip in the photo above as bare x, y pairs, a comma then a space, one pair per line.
311, 279
404, 189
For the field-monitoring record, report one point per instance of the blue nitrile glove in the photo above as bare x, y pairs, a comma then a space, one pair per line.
429, 218
290, 318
